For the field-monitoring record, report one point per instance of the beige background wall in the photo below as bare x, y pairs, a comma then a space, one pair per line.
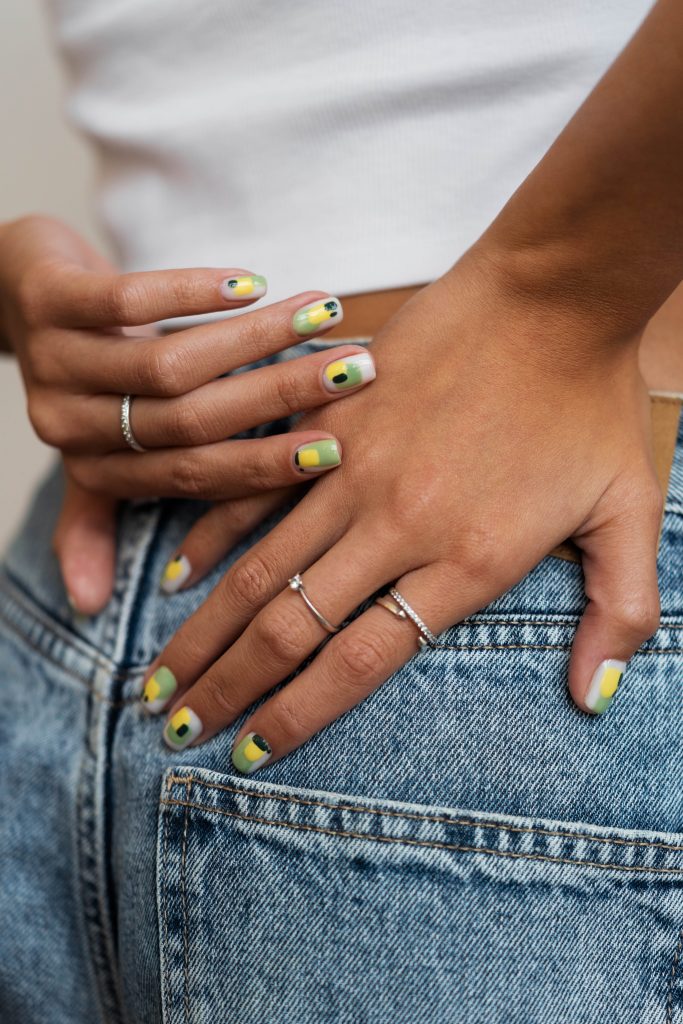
44, 168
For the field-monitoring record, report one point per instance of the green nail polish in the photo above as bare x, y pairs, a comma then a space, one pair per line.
159, 689
316, 455
250, 753
182, 728
317, 315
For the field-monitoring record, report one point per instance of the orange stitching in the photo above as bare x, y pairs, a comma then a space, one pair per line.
432, 844
438, 819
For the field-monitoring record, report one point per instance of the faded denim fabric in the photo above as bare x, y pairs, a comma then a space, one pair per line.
464, 846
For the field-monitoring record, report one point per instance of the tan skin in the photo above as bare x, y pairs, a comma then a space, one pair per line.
510, 356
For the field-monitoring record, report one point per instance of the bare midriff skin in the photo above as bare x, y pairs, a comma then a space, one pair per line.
661, 349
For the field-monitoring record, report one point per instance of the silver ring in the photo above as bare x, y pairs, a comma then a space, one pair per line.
126, 429
426, 637
297, 584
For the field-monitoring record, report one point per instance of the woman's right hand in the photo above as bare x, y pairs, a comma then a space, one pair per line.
65, 311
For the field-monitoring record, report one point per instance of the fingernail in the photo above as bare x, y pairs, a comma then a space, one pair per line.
250, 753
244, 286
317, 455
350, 372
604, 685
159, 689
182, 728
175, 574
317, 315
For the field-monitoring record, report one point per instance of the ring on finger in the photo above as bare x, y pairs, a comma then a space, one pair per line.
126, 428
297, 584
397, 605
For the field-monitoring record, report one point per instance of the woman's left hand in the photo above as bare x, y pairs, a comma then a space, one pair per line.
500, 424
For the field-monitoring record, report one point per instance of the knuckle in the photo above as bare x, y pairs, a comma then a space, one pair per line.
479, 552
82, 472
190, 476
49, 427
188, 423
220, 697
361, 657
123, 300
284, 633
638, 617
252, 582
290, 721
291, 390
159, 371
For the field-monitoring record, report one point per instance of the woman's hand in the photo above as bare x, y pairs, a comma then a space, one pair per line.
65, 319
82, 337
499, 426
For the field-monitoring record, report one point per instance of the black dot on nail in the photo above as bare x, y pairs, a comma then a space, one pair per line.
182, 729
330, 305
232, 283
339, 378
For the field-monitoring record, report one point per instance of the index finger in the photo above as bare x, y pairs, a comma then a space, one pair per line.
82, 298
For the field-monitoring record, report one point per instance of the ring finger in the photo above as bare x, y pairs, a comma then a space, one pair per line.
220, 409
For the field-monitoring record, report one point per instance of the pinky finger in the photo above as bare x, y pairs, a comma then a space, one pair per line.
216, 534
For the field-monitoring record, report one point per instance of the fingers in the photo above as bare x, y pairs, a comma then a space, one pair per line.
620, 570
173, 365
216, 534
212, 472
345, 672
248, 586
279, 638
85, 545
82, 298
217, 410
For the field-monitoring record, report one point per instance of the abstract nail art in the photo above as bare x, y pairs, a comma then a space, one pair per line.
250, 753
246, 286
349, 372
175, 574
604, 685
183, 727
317, 455
159, 689
316, 315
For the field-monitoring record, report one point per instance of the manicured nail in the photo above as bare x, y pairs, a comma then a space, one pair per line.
250, 753
349, 372
317, 455
604, 685
246, 286
175, 574
159, 689
182, 728
317, 315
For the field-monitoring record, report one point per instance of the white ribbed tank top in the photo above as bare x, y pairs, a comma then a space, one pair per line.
345, 145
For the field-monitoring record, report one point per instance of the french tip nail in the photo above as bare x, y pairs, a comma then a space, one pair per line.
250, 753
604, 684
175, 574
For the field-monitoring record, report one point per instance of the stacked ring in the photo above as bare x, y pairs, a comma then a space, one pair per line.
297, 584
126, 429
397, 605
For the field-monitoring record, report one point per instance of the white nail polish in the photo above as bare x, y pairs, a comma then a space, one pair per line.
604, 683
244, 286
175, 574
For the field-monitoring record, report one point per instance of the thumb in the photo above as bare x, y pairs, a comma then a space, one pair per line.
85, 544
620, 572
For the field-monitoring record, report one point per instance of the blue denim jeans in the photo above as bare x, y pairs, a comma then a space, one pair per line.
463, 846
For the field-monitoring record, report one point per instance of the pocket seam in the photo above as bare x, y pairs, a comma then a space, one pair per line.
187, 780
430, 844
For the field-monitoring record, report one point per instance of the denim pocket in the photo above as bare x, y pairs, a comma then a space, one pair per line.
293, 906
